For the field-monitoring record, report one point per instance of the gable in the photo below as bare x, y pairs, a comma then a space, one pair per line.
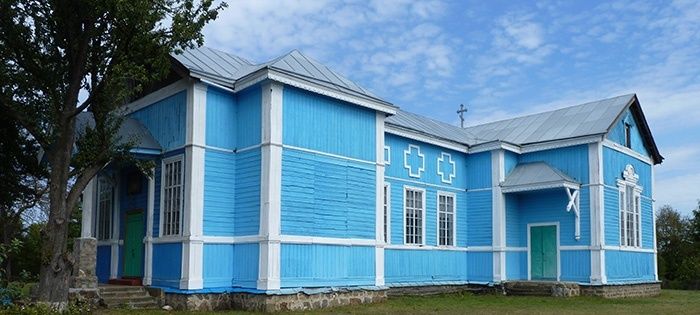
617, 133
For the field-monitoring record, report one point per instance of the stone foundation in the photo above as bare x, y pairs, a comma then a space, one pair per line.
272, 303
85, 255
427, 290
622, 290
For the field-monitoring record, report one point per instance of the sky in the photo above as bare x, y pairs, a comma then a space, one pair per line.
501, 59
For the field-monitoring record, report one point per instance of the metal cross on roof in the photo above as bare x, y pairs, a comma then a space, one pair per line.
461, 112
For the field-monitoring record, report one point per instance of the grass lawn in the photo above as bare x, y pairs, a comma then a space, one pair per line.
669, 302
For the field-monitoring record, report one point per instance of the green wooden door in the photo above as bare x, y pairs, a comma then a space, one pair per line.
133, 245
543, 252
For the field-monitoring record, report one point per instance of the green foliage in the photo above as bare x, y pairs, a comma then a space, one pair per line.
5, 251
678, 243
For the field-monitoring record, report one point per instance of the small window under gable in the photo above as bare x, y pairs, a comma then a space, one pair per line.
630, 208
628, 135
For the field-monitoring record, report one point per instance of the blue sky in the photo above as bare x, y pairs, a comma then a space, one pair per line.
501, 59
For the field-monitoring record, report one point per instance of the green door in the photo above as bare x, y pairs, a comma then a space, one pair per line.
543, 252
133, 245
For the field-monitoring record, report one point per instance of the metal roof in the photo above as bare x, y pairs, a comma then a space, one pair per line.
130, 130
571, 122
227, 69
536, 176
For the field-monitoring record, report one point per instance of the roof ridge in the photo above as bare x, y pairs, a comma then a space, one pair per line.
550, 111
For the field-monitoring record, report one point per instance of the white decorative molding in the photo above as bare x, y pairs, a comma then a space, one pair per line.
622, 149
498, 215
88, 209
148, 239
629, 175
193, 212
630, 179
407, 154
574, 205
597, 213
379, 199
270, 187
446, 158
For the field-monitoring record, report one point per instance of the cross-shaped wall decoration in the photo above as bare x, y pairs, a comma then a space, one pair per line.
414, 160
446, 168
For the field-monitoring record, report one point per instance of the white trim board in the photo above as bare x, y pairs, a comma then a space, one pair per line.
158, 95
416, 182
423, 213
625, 150
379, 200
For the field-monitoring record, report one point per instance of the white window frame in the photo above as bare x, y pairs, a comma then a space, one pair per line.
103, 180
169, 160
454, 217
387, 155
423, 210
630, 206
387, 211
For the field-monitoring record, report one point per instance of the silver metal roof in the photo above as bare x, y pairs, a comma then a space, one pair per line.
570, 122
226, 68
130, 130
536, 176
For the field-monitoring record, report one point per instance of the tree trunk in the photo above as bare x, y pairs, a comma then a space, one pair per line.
56, 260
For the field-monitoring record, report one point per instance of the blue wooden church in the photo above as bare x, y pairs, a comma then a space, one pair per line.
286, 177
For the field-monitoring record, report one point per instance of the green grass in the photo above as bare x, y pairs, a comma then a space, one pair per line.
669, 302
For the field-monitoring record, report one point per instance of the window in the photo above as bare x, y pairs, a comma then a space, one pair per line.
414, 209
105, 207
446, 219
630, 209
387, 208
628, 135
387, 155
172, 199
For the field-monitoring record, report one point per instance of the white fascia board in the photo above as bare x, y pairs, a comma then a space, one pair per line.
540, 186
494, 145
271, 74
150, 98
420, 137
542, 146
622, 149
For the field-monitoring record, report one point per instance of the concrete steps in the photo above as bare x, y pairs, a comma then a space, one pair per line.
542, 288
134, 297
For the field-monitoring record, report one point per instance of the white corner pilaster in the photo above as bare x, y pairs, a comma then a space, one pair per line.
114, 243
88, 207
148, 240
597, 208
270, 187
192, 227
498, 215
379, 202
653, 221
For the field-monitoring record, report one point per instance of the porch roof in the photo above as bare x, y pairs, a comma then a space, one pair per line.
537, 176
130, 130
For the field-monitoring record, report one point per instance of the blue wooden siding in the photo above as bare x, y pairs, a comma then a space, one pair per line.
249, 117
233, 120
479, 218
478, 170
575, 265
625, 266
516, 265
480, 266
221, 118
327, 196
167, 264
617, 133
305, 265
424, 266
219, 193
102, 265
510, 161
573, 160
324, 124
547, 206
247, 216
614, 163
165, 120
229, 265
431, 155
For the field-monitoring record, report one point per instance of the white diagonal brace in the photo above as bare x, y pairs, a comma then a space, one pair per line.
574, 204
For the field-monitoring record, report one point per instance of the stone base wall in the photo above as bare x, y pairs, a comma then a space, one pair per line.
427, 290
622, 291
272, 303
